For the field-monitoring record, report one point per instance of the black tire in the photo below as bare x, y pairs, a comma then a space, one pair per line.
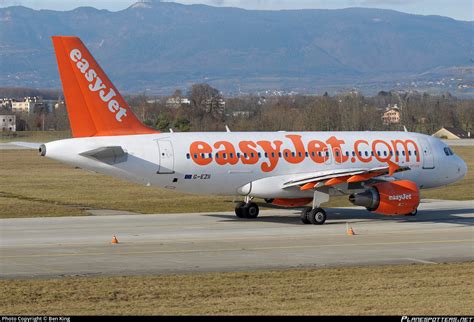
251, 210
304, 215
317, 216
413, 213
239, 209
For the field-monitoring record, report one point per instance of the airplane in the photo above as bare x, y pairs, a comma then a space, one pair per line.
381, 171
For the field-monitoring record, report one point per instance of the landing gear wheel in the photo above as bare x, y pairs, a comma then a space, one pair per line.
304, 215
239, 209
251, 210
413, 213
317, 216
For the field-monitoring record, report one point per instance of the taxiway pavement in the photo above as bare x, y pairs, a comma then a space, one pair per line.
179, 243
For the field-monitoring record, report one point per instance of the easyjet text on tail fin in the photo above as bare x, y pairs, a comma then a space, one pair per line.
95, 107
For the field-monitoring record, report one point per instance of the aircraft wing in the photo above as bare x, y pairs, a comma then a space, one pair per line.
330, 178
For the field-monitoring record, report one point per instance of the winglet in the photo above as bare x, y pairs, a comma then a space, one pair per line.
95, 107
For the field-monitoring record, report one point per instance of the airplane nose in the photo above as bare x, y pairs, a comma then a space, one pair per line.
462, 168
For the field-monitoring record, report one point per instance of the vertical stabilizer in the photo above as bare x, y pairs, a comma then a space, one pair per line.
95, 107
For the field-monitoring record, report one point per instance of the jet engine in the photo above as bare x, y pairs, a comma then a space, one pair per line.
399, 197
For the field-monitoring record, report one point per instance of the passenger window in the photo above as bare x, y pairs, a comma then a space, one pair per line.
210, 155
188, 156
195, 156
259, 155
385, 153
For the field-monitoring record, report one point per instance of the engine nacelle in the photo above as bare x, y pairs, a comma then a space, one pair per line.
399, 197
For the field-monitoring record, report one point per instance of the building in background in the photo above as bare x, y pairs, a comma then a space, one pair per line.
391, 115
452, 133
35, 104
175, 102
8, 123
27, 105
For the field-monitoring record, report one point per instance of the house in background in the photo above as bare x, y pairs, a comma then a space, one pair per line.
8, 123
391, 115
452, 133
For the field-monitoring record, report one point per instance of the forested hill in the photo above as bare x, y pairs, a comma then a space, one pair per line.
158, 46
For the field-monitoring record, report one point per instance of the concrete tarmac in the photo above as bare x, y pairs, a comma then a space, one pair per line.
181, 243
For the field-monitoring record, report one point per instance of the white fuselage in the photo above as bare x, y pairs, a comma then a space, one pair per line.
259, 163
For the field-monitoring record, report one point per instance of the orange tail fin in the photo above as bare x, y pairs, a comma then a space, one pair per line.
95, 107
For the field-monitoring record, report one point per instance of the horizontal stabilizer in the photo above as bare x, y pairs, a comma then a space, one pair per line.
108, 154
28, 145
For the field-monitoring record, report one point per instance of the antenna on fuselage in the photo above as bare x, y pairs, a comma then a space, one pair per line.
227, 129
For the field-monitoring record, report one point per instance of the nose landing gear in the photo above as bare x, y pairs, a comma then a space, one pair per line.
247, 209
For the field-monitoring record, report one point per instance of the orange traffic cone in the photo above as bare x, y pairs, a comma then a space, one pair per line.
114, 240
349, 230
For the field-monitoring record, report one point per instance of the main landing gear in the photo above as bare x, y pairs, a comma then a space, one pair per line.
247, 209
315, 215
413, 213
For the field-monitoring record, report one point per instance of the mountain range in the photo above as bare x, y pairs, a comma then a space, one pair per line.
156, 47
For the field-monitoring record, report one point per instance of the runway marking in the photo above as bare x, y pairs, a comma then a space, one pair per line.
184, 251
260, 237
421, 261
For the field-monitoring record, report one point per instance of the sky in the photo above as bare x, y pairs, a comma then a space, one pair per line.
457, 9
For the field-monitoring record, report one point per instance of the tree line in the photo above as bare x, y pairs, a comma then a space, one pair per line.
420, 112
205, 111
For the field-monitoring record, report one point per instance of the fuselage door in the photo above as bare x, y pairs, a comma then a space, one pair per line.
426, 154
165, 149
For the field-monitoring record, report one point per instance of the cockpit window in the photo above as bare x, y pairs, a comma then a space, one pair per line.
448, 151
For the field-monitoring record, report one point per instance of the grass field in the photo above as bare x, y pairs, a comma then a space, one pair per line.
418, 289
34, 136
33, 186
